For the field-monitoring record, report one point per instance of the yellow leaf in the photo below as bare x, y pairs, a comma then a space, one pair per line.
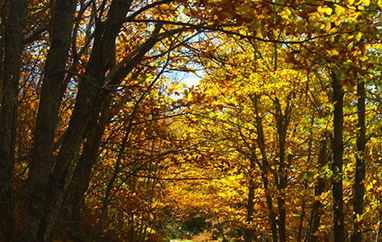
328, 27
328, 11
333, 30
339, 10
358, 36
351, 2
332, 52
366, 2
320, 9
287, 11
189, 96
379, 3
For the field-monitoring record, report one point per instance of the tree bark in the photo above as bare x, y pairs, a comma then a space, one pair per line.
13, 38
359, 187
87, 99
82, 174
337, 147
265, 168
249, 232
282, 127
51, 95
314, 222
302, 216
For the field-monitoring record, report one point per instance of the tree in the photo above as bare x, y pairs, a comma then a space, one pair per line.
13, 40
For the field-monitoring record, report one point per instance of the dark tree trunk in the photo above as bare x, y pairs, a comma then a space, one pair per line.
281, 196
82, 174
51, 95
337, 147
282, 120
249, 232
13, 38
302, 216
265, 168
314, 221
89, 91
271, 213
359, 187
281, 199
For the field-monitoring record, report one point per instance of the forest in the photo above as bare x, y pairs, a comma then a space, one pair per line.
191, 120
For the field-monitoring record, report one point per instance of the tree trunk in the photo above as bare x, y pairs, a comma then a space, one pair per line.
302, 216
87, 100
281, 189
82, 174
13, 38
271, 213
51, 95
314, 222
265, 167
249, 232
282, 120
359, 187
337, 147
281, 206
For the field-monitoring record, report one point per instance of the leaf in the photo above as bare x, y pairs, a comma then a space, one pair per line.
366, 2
328, 11
339, 10
358, 36
287, 11
325, 10
189, 97
332, 52
328, 27
212, 115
